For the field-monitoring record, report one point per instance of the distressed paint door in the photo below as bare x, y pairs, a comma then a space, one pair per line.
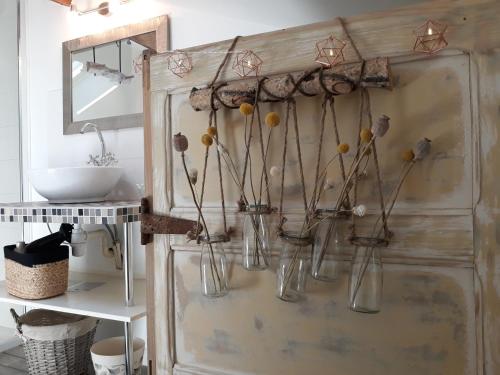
433, 315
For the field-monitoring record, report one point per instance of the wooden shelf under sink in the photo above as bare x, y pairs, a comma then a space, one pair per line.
100, 296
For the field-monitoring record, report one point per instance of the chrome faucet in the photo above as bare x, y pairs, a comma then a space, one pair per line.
106, 158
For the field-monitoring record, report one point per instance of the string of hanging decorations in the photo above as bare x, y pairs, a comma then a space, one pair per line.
324, 229
329, 52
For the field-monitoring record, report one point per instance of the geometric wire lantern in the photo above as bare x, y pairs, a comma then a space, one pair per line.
330, 52
179, 63
246, 63
430, 37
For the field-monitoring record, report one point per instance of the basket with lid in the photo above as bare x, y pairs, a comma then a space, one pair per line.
56, 343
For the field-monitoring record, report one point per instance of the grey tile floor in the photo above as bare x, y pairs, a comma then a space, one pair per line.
12, 362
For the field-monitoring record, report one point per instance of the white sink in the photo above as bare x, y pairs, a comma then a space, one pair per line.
75, 184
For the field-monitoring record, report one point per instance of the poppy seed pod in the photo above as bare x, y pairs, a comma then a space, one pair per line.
381, 126
180, 142
422, 149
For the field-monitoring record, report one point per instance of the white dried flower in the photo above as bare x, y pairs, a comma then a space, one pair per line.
422, 149
329, 184
274, 171
193, 175
359, 210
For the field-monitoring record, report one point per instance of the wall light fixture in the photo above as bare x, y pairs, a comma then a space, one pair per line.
104, 9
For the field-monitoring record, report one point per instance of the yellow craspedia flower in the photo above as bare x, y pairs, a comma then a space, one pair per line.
246, 109
365, 135
343, 148
212, 131
408, 155
272, 119
207, 140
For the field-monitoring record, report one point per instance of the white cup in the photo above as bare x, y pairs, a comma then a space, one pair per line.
108, 356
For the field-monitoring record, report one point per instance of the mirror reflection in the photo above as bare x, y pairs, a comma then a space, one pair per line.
107, 81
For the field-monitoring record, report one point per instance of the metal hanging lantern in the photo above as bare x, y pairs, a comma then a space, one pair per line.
179, 63
430, 37
330, 52
247, 63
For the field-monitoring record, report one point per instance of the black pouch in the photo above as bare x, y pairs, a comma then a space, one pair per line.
30, 260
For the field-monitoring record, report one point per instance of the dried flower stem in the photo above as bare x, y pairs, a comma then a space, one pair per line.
352, 170
205, 163
263, 176
406, 170
211, 251
264, 170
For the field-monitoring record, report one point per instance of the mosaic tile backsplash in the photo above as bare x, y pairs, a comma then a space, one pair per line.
80, 213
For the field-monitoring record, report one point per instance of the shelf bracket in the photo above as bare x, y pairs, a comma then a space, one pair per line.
160, 224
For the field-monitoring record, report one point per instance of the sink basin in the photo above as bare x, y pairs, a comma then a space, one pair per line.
75, 184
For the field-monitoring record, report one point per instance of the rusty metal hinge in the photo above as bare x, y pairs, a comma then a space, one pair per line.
159, 224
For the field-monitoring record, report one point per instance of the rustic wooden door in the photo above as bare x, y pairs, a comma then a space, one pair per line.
440, 285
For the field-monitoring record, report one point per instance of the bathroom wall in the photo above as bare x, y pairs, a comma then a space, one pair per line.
47, 25
10, 188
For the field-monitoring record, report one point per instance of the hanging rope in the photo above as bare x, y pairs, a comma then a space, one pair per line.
219, 167
213, 120
320, 147
299, 152
226, 57
347, 204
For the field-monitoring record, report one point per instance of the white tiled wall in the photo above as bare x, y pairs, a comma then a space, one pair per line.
10, 185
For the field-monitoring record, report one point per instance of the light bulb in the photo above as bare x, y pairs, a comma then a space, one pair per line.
429, 31
331, 52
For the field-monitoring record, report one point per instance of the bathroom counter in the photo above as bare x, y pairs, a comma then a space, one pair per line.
108, 212
100, 296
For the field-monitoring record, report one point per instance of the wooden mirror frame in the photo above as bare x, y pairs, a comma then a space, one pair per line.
151, 33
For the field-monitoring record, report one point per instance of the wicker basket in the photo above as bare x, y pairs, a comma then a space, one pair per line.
38, 275
56, 343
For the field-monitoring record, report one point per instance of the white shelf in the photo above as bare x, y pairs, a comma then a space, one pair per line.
103, 300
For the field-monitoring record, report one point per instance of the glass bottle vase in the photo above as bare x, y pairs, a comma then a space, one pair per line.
366, 280
256, 254
329, 244
213, 267
293, 266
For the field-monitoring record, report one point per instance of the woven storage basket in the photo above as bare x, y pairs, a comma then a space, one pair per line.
38, 275
56, 343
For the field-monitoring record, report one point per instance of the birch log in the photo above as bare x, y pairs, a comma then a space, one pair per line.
339, 80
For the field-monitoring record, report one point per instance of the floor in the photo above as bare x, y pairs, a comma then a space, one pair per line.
12, 362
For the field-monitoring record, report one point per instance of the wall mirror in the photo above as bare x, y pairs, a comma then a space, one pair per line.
102, 75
